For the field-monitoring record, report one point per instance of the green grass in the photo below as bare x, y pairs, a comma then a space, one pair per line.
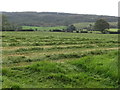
77, 25
100, 71
59, 60
83, 24
43, 28
113, 29
86, 24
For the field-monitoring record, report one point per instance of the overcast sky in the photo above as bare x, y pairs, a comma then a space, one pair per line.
99, 7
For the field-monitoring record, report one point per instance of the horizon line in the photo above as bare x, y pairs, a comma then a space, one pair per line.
55, 12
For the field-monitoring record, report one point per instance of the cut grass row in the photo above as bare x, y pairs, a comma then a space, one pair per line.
35, 36
57, 43
38, 50
85, 72
56, 55
42, 60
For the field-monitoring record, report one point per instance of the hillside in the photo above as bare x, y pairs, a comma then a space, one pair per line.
53, 18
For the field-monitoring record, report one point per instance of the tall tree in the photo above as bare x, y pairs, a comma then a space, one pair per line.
71, 28
101, 25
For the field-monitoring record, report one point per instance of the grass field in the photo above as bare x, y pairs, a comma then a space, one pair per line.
43, 28
59, 60
77, 25
113, 30
86, 24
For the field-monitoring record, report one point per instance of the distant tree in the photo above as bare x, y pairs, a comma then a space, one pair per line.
119, 23
0, 21
5, 23
8, 26
101, 25
89, 28
71, 28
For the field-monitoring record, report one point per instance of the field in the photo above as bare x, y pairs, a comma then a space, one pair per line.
86, 24
77, 25
113, 30
59, 60
43, 28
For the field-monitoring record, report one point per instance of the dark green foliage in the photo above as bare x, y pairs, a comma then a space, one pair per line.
101, 25
15, 87
71, 28
119, 23
52, 19
6, 25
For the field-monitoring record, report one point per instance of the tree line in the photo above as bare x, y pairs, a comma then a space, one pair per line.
100, 25
6, 25
48, 19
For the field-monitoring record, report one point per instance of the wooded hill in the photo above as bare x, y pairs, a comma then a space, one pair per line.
53, 18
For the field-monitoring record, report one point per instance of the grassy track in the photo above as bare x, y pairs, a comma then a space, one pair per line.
59, 60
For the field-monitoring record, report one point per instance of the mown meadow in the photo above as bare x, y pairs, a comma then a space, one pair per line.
59, 60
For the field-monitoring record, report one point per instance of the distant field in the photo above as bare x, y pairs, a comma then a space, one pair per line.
77, 25
43, 28
83, 24
113, 23
113, 29
86, 24
59, 60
